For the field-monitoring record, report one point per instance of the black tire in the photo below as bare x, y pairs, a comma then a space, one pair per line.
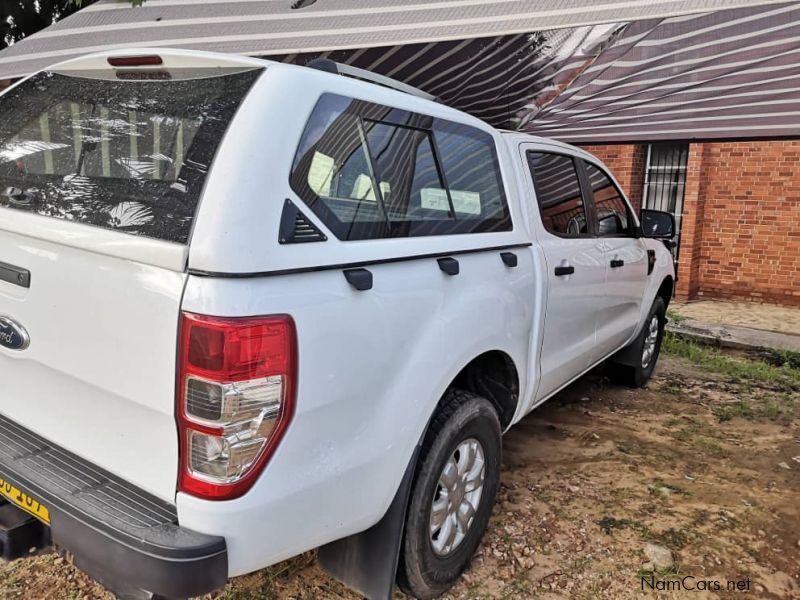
638, 374
423, 573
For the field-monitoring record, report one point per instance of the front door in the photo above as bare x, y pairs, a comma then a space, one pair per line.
625, 262
576, 268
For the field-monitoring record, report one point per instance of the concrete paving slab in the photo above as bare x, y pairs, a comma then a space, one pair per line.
733, 336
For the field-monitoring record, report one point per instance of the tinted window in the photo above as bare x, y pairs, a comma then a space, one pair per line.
130, 155
473, 173
612, 212
558, 192
369, 171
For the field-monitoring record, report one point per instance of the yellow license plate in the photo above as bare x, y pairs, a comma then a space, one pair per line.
24, 501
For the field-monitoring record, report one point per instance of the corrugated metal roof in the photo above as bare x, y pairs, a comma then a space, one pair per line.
267, 27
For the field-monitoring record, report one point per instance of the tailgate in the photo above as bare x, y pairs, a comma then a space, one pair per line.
98, 376
101, 174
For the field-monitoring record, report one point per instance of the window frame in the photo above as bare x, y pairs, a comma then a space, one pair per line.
588, 203
633, 224
388, 229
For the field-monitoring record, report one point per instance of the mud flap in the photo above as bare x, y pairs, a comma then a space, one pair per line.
631, 354
367, 561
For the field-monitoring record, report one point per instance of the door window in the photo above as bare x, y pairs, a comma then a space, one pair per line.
558, 193
613, 215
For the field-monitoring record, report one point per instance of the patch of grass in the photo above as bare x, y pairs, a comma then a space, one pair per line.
672, 538
780, 358
710, 359
683, 429
711, 447
675, 317
674, 572
726, 412
519, 586
609, 524
781, 409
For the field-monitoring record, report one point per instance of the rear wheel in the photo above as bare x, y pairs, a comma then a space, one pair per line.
647, 347
452, 496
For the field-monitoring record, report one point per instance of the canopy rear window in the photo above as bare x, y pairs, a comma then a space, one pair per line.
127, 154
371, 171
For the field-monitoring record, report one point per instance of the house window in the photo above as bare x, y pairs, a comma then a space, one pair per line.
665, 180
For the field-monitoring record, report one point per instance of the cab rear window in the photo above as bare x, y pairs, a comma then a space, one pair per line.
127, 154
370, 171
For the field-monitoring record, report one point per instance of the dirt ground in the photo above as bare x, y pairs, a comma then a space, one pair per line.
702, 464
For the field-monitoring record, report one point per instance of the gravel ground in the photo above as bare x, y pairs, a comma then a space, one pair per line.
604, 489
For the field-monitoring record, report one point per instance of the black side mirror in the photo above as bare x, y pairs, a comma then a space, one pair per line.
657, 224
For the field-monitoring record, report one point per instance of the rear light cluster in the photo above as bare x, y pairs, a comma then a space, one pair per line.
235, 399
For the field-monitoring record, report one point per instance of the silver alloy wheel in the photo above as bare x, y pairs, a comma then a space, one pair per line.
650, 342
457, 496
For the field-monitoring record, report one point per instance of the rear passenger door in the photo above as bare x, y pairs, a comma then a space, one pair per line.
625, 257
576, 267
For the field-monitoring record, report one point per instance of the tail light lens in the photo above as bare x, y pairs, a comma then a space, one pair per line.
235, 399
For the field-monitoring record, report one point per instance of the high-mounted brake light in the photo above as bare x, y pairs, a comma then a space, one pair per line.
135, 61
235, 399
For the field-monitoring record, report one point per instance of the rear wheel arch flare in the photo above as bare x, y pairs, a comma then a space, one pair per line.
494, 376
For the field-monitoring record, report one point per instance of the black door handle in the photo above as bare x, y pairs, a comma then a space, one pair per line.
448, 265
509, 259
617, 263
15, 275
561, 271
361, 279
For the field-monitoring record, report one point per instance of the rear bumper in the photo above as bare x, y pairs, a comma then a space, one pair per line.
122, 536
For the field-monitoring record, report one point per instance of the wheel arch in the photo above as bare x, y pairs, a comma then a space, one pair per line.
493, 375
368, 561
666, 289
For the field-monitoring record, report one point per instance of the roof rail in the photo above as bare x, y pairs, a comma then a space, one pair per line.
329, 66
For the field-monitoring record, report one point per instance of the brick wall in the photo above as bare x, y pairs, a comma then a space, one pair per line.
740, 235
692, 225
749, 244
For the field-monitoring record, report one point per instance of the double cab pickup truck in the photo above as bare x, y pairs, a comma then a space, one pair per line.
249, 309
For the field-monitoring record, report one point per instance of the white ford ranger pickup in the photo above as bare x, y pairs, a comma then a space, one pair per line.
249, 309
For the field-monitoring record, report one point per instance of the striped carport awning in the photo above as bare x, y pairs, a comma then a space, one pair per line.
728, 74
572, 69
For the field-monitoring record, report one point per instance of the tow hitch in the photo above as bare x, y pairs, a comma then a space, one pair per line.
20, 533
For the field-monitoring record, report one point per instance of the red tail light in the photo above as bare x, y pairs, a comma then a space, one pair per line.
235, 399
